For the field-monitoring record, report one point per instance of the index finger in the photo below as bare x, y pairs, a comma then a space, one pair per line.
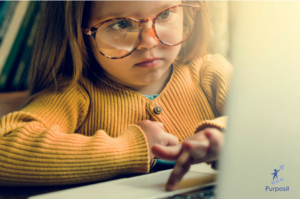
182, 166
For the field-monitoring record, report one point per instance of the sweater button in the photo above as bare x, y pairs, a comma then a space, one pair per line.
157, 110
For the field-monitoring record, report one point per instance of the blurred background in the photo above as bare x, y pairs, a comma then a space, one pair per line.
19, 22
239, 29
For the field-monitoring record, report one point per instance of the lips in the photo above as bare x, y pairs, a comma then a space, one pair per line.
150, 62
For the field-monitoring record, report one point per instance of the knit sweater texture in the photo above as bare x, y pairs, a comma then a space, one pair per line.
89, 133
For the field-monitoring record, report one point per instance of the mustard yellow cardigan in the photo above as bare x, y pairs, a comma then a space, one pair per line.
88, 133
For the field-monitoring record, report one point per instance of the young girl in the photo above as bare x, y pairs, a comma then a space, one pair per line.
109, 80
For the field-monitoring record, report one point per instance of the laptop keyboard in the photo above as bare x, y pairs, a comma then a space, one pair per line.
204, 193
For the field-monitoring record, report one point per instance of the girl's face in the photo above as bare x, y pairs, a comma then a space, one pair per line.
135, 71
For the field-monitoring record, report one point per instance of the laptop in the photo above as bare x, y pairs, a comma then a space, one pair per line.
263, 135
259, 159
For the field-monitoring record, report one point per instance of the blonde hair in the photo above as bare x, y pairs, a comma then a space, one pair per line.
60, 55
196, 45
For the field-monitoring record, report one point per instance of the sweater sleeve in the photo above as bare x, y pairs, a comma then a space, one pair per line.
39, 144
215, 75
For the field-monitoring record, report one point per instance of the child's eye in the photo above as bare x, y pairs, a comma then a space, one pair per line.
121, 25
166, 15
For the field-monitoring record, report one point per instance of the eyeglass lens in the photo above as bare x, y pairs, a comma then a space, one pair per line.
118, 38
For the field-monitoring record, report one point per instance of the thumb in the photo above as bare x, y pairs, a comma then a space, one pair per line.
172, 140
166, 152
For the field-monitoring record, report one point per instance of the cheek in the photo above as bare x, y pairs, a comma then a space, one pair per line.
171, 52
102, 60
114, 67
110, 65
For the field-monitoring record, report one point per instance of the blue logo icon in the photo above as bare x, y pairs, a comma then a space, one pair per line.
275, 175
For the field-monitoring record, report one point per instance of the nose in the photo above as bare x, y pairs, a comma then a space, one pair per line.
148, 39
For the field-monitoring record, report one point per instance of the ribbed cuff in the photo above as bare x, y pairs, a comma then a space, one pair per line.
220, 123
140, 151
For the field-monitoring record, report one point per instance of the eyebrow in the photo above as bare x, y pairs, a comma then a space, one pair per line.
117, 14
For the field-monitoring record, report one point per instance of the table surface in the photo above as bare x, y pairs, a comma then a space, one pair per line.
25, 192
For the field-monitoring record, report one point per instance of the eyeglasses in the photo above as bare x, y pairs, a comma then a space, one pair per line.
119, 37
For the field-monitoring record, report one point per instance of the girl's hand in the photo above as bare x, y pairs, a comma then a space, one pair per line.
155, 134
204, 146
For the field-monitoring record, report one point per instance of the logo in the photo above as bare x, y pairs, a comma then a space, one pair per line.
275, 175
276, 178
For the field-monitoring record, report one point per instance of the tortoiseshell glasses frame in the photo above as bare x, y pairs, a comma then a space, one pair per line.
92, 31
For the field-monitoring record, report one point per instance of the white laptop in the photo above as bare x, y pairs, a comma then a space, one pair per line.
260, 158
264, 106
